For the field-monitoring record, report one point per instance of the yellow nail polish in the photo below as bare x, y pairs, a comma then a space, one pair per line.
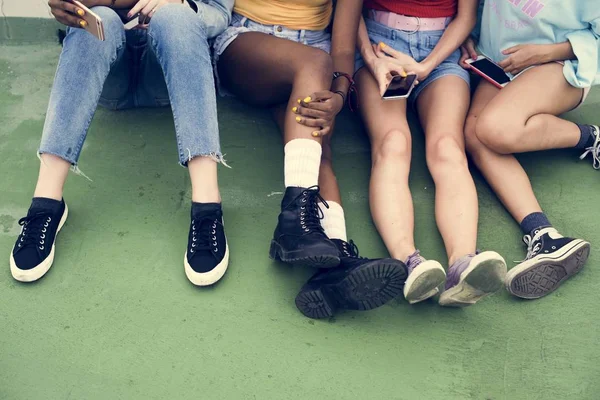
382, 45
295, 109
80, 12
82, 23
307, 99
299, 101
403, 74
298, 119
315, 134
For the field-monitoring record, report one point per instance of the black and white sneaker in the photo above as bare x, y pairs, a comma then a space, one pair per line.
551, 260
299, 237
594, 150
357, 284
207, 255
33, 253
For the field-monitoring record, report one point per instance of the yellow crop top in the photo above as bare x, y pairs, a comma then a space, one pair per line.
294, 14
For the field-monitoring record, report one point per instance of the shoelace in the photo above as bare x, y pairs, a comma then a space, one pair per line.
414, 260
35, 227
204, 234
350, 249
311, 213
595, 151
533, 247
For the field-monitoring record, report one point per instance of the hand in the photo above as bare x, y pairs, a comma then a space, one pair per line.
67, 13
410, 66
318, 111
147, 8
523, 56
467, 51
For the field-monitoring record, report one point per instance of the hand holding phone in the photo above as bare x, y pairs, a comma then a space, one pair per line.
490, 71
93, 22
400, 87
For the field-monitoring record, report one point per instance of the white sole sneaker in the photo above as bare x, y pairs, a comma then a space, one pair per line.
544, 273
33, 274
484, 276
211, 277
424, 281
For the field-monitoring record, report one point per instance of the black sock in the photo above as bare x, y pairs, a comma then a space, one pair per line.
44, 203
201, 209
534, 222
587, 138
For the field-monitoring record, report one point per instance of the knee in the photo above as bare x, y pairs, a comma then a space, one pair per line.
114, 34
395, 145
317, 64
446, 152
498, 131
177, 24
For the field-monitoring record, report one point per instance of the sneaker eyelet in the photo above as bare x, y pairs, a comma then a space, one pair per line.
216, 249
303, 208
213, 232
306, 230
193, 228
42, 248
46, 225
194, 239
49, 219
41, 242
44, 230
193, 245
553, 247
214, 238
192, 251
19, 244
43, 236
304, 200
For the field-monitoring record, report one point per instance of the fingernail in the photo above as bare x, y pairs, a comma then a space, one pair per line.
298, 119
299, 101
382, 45
403, 74
80, 12
315, 134
295, 109
307, 100
82, 23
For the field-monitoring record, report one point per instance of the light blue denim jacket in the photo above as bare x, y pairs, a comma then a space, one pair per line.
216, 14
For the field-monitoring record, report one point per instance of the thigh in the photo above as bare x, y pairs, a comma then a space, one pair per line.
483, 95
260, 68
443, 107
539, 90
151, 88
381, 117
116, 92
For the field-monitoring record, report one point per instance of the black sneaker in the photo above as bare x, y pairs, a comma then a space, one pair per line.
207, 255
33, 253
594, 150
551, 260
299, 237
358, 284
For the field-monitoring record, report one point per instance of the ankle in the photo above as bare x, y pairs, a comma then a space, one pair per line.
206, 196
402, 253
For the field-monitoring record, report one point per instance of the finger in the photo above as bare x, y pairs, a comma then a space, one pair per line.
516, 71
472, 50
318, 96
149, 10
71, 8
464, 56
388, 50
137, 8
312, 122
505, 63
511, 50
322, 132
324, 106
68, 19
309, 112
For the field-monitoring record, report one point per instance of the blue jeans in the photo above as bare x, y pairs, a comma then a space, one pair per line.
167, 64
418, 45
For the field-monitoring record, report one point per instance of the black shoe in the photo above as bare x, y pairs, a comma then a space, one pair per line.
207, 255
299, 237
33, 253
551, 260
358, 284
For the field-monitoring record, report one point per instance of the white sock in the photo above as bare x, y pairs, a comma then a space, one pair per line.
333, 221
302, 163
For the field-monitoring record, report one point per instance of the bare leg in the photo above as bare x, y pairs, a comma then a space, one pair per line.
389, 194
443, 107
503, 172
205, 184
52, 177
522, 116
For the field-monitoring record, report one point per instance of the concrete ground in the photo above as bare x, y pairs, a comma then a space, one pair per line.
116, 318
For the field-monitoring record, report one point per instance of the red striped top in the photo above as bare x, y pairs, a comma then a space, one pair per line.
416, 8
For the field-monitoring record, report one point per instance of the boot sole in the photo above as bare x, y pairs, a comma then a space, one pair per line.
33, 274
482, 278
542, 275
316, 261
367, 287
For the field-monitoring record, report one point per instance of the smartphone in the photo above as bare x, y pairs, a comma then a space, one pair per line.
489, 71
94, 22
400, 87
132, 23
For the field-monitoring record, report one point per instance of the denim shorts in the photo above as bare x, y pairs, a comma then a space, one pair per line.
240, 24
418, 45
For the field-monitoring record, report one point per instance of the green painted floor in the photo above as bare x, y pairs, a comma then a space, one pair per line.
116, 318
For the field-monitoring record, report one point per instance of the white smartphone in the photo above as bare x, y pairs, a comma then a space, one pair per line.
94, 22
133, 22
400, 87
490, 71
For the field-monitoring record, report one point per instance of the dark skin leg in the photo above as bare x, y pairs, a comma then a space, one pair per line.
283, 71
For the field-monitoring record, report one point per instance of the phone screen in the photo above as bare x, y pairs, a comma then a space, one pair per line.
491, 70
400, 86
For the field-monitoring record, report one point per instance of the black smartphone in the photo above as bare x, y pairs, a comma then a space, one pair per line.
490, 71
400, 87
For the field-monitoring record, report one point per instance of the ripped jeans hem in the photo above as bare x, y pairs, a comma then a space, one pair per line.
74, 168
215, 156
